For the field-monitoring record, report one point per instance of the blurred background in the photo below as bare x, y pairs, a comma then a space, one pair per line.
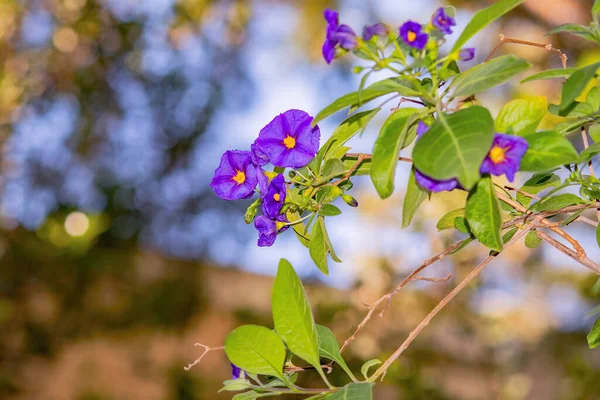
115, 256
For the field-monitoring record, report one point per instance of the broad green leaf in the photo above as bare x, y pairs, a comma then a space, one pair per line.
391, 138
329, 210
488, 74
391, 85
576, 83
347, 129
483, 214
532, 240
589, 153
447, 221
413, 198
521, 116
328, 245
363, 169
575, 110
570, 126
462, 225
252, 395
329, 349
594, 336
292, 316
598, 235
596, 11
594, 132
332, 168
328, 194
463, 244
235, 385
353, 391
299, 228
318, 248
455, 145
593, 98
364, 370
483, 18
557, 202
509, 235
256, 349
536, 184
575, 29
550, 74
547, 150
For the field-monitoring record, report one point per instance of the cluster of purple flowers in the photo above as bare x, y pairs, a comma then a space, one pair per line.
413, 34
504, 158
288, 140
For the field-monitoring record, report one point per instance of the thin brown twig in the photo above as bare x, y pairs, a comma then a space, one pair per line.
564, 249
549, 47
381, 371
531, 196
388, 297
207, 349
360, 157
435, 280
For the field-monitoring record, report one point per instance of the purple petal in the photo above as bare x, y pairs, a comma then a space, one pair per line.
466, 54
267, 231
346, 37
331, 16
377, 29
329, 50
236, 372
442, 21
421, 41
258, 156
223, 182
275, 197
421, 128
434, 185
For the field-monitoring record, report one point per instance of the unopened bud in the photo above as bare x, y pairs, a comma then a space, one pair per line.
351, 201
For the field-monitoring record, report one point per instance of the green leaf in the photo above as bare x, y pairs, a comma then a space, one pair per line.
550, 74
596, 11
594, 336
353, 391
462, 225
455, 145
482, 18
363, 169
488, 74
329, 349
536, 184
235, 385
483, 214
509, 235
328, 245
576, 83
392, 137
364, 370
521, 116
547, 150
292, 316
347, 129
391, 85
318, 248
253, 395
589, 153
557, 202
575, 110
532, 240
598, 235
251, 211
415, 195
594, 132
256, 349
332, 168
575, 29
593, 98
299, 228
447, 221
328, 194
329, 210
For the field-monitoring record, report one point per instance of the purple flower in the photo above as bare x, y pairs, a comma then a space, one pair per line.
263, 181
274, 197
377, 29
505, 156
433, 185
289, 140
258, 156
235, 178
236, 372
411, 33
421, 128
442, 21
337, 35
466, 54
269, 228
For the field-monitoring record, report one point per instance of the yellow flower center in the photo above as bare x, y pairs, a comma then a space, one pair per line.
239, 177
411, 36
497, 155
276, 197
289, 142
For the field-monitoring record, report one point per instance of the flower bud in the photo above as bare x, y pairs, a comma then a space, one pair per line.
351, 201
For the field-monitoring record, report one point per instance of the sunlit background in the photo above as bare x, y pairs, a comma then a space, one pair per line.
116, 257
